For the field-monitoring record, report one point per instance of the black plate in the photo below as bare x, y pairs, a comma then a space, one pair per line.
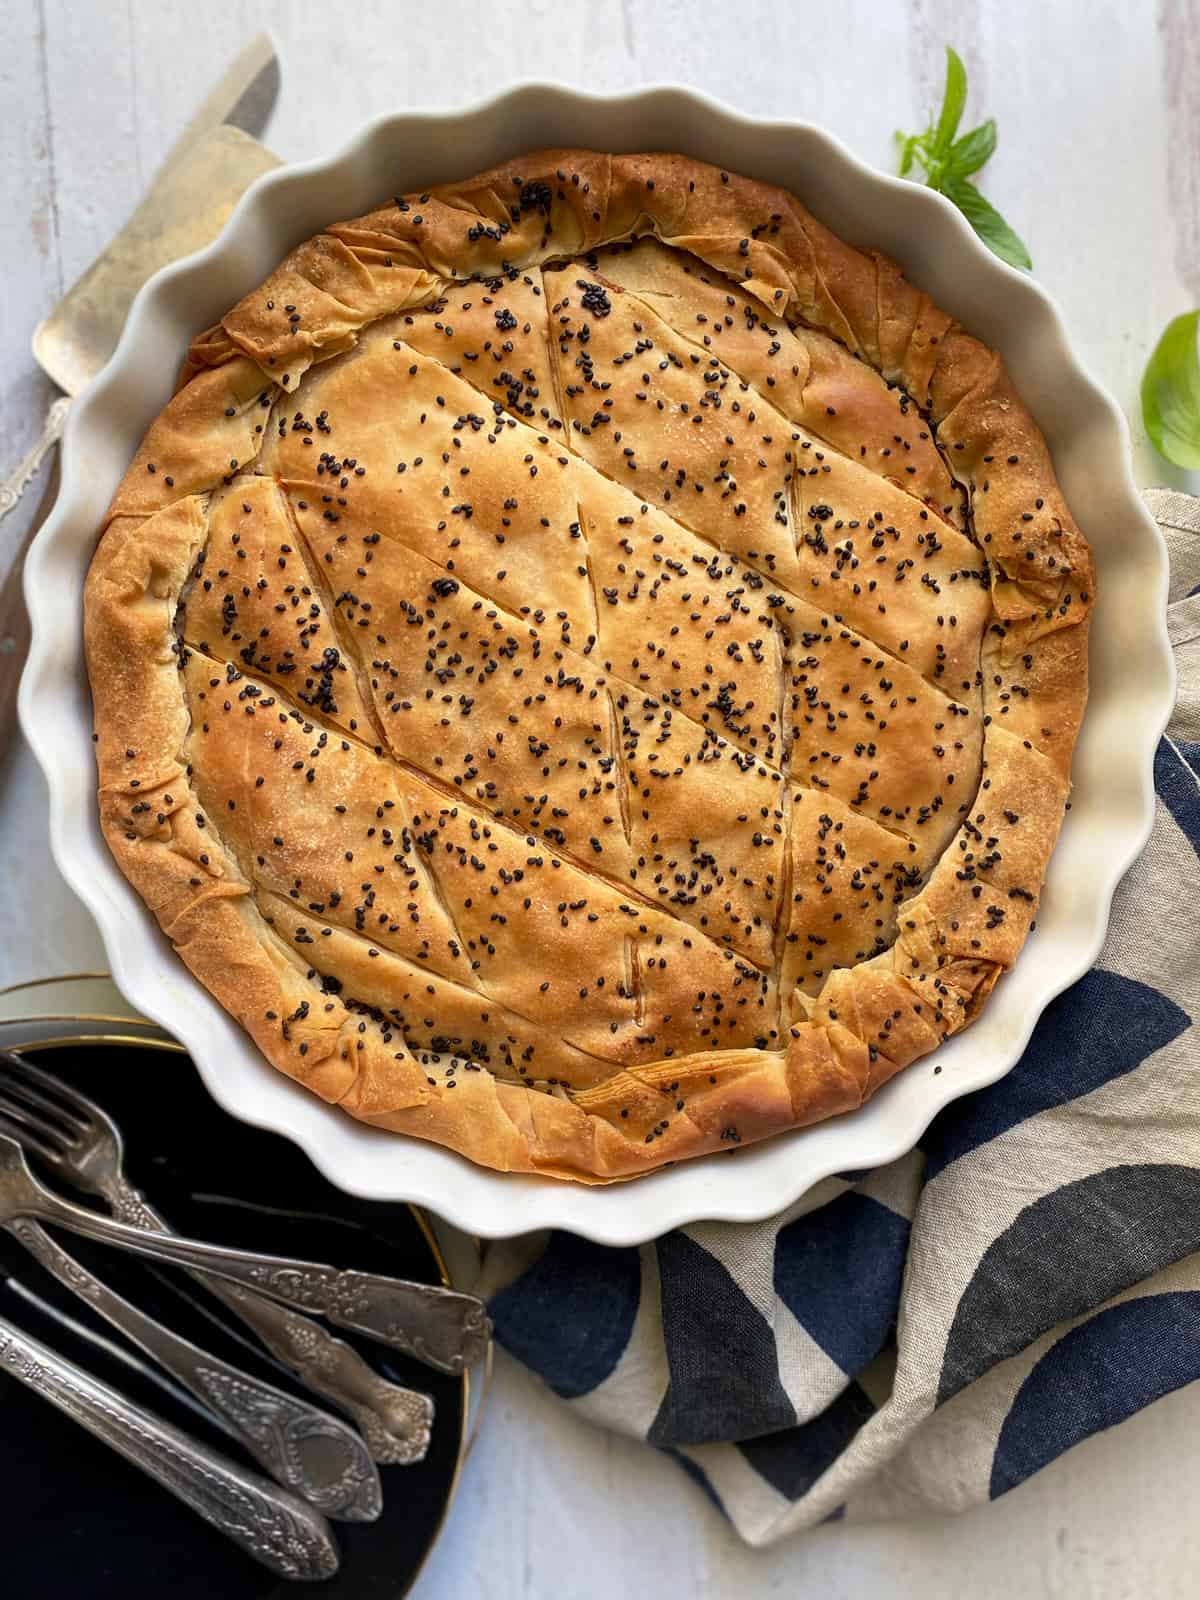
79, 1521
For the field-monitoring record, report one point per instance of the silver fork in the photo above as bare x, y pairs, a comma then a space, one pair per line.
78, 1139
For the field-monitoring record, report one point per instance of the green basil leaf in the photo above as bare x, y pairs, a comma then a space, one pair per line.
987, 222
914, 148
953, 100
1171, 393
970, 152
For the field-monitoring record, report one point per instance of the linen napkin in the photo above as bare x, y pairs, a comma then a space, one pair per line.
924, 1336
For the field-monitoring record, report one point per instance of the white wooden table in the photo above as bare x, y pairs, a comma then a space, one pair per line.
1098, 168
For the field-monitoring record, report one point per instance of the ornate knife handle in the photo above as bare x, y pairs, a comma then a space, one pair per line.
24, 471
268, 1523
440, 1327
314, 1454
445, 1329
395, 1422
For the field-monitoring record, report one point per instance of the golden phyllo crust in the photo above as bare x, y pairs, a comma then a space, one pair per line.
587, 664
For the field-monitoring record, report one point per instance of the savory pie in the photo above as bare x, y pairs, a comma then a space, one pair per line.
586, 666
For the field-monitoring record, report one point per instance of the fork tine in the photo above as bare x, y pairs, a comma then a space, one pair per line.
15, 1066
51, 1132
29, 1139
12, 1089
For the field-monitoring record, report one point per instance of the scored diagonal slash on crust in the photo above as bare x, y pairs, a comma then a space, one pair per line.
587, 665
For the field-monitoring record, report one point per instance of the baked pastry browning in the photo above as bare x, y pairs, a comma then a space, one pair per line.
586, 666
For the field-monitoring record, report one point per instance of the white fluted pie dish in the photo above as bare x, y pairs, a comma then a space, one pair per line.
1131, 667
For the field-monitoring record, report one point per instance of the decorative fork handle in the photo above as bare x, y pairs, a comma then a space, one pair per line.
395, 1422
22, 474
306, 1450
267, 1522
446, 1330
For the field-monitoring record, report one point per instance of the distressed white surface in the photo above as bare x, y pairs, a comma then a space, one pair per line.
1098, 103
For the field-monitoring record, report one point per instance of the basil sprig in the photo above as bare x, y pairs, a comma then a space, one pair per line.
948, 163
